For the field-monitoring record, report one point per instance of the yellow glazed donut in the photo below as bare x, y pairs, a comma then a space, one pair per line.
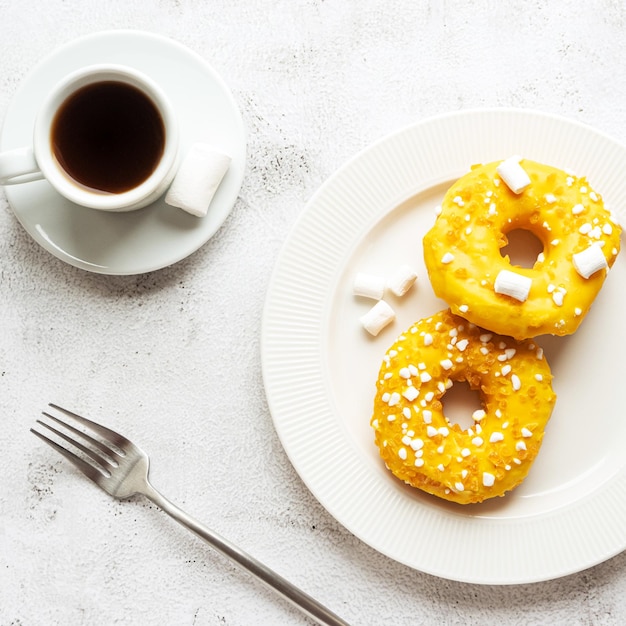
467, 270
418, 443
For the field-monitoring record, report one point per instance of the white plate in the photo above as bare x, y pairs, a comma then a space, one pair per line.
320, 366
159, 235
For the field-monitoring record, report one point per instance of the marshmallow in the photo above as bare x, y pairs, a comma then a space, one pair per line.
513, 174
378, 317
369, 286
589, 261
401, 280
197, 179
512, 284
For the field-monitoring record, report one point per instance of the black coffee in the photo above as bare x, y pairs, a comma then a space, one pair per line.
108, 136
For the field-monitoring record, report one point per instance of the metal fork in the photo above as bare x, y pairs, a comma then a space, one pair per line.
120, 468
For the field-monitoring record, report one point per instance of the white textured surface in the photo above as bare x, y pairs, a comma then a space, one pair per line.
172, 358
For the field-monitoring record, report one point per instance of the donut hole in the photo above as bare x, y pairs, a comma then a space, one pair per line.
523, 247
459, 402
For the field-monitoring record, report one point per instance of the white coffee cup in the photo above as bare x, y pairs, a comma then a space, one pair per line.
42, 161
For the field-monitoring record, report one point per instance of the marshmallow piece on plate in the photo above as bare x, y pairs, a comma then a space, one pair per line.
197, 179
369, 286
401, 280
589, 261
378, 317
513, 174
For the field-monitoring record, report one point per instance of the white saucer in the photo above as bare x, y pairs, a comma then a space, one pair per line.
159, 235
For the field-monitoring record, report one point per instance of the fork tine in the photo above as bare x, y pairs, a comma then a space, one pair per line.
109, 435
102, 460
89, 470
109, 451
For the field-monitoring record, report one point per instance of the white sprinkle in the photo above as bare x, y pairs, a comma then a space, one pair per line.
391, 418
394, 399
585, 229
431, 431
596, 232
558, 296
498, 413
594, 196
385, 397
440, 449
419, 462
441, 467
427, 416
458, 201
428, 339
410, 393
464, 308
539, 377
478, 415
526, 432
465, 452
607, 229
404, 372
464, 473
429, 396
448, 257
406, 412
550, 198
477, 441
461, 345
577, 209
495, 437
412, 369
506, 369
459, 486
516, 382
446, 364
402, 453
486, 337
425, 377
444, 431
578, 311
488, 479
520, 445
417, 444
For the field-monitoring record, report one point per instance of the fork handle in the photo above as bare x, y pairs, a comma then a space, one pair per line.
303, 601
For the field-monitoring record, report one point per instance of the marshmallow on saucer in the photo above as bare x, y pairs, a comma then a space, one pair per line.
197, 179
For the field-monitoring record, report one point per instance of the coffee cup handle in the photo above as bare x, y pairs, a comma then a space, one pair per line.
19, 166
